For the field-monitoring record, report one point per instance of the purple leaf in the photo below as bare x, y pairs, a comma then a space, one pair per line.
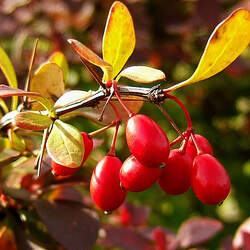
6, 91
71, 224
238, 240
197, 230
125, 238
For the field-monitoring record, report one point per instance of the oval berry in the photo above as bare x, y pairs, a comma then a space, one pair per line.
147, 141
135, 177
202, 143
209, 180
175, 177
88, 146
105, 187
60, 170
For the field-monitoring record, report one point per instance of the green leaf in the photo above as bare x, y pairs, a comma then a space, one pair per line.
65, 145
59, 58
91, 57
48, 81
9, 72
226, 43
16, 141
119, 38
32, 120
142, 74
72, 96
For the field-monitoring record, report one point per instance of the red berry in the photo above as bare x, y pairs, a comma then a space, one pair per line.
60, 170
147, 141
175, 177
105, 186
202, 143
135, 177
209, 180
88, 146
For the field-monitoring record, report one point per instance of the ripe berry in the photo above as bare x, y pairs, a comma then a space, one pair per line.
135, 177
88, 146
202, 143
105, 187
60, 170
175, 177
147, 141
209, 179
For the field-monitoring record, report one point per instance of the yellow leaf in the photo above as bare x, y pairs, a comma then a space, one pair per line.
65, 145
142, 74
59, 58
119, 37
9, 72
91, 57
48, 81
16, 141
226, 43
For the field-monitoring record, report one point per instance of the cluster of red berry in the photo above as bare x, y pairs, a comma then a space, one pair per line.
152, 160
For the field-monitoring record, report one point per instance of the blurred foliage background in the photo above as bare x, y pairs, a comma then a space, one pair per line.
171, 35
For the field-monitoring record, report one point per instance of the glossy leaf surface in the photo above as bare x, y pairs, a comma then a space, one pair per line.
71, 97
119, 37
91, 57
65, 145
197, 230
32, 121
48, 81
9, 72
142, 74
59, 58
226, 43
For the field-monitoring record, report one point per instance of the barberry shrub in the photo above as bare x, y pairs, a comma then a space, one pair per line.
37, 136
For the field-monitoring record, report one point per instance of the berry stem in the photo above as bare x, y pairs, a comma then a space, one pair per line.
117, 94
176, 140
101, 130
117, 124
195, 144
171, 121
183, 107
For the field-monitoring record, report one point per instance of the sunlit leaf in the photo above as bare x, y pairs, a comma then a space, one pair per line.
142, 74
91, 57
65, 145
7, 156
226, 43
197, 230
238, 240
7, 239
72, 96
6, 91
119, 37
16, 141
70, 223
4, 143
9, 72
32, 121
48, 81
59, 58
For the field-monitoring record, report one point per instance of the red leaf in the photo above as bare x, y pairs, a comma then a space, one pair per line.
6, 91
133, 215
124, 238
246, 241
71, 224
198, 230
238, 240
